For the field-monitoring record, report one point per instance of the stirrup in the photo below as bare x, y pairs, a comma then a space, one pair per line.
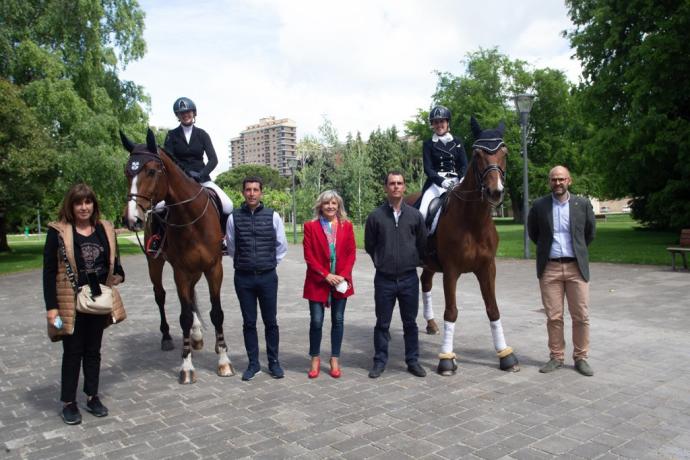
153, 244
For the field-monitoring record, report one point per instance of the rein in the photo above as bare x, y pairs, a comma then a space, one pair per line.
149, 211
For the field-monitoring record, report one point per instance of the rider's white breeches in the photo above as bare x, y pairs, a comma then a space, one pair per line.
432, 192
224, 199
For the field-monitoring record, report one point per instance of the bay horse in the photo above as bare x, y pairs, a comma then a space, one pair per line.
191, 245
466, 241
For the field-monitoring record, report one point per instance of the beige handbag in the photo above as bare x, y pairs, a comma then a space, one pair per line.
84, 301
98, 305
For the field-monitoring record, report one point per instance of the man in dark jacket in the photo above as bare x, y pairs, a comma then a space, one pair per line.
256, 242
562, 226
395, 238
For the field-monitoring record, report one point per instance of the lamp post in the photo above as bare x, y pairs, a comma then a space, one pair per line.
292, 164
523, 103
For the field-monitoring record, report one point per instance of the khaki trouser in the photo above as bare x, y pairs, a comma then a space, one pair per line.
559, 280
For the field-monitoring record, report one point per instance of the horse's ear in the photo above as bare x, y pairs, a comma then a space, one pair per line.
476, 129
151, 142
501, 127
129, 145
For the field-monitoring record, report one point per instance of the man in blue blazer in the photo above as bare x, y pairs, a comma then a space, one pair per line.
562, 226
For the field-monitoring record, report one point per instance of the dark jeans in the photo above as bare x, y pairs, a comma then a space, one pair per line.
316, 309
83, 346
404, 289
263, 287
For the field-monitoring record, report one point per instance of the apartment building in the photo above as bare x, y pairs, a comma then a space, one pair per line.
270, 142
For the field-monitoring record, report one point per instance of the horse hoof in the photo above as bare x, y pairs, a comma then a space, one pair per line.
187, 377
432, 328
167, 345
446, 367
509, 363
197, 344
226, 370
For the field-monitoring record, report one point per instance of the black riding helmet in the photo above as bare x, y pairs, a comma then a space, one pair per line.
184, 104
439, 113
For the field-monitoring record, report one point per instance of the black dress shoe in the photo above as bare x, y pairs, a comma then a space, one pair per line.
70, 414
97, 408
416, 369
376, 371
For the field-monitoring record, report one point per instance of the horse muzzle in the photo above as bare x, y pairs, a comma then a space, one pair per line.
135, 224
494, 197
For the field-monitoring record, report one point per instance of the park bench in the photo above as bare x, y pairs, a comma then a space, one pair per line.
681, 249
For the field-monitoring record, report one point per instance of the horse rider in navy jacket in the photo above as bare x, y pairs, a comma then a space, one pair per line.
445, 161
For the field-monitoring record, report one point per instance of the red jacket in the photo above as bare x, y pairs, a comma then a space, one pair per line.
317, 255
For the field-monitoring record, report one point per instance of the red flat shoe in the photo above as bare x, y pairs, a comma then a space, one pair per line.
315, 373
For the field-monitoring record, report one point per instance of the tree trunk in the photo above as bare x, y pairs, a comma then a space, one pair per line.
517, 211
4, 246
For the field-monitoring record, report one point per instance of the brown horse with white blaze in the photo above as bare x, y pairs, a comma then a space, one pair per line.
466, 241
192, 244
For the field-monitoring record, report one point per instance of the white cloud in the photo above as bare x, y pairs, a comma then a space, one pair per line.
363, 64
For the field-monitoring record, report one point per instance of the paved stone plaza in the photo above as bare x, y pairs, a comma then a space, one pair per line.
637, 405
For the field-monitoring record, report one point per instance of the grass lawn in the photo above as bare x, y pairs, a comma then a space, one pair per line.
27, 253
619, 239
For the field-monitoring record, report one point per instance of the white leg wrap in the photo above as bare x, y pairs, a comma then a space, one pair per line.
187, 363
497, 334
223, 357
196, 333
448, 332
428, 306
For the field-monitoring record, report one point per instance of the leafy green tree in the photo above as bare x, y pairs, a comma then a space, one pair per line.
62, 59
319, 159
385, 151
280, 201
28, 160
355, 181
232, 178
635, 55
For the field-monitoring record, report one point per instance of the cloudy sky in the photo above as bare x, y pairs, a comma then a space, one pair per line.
362, 64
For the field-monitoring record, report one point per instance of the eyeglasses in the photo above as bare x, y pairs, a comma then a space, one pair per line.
559, 179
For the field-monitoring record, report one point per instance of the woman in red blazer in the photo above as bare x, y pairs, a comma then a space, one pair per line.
329, 251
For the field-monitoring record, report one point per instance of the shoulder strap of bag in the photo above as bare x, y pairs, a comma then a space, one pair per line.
68, 267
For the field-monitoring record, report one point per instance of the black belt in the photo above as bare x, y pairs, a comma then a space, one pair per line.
563, 260
254, 272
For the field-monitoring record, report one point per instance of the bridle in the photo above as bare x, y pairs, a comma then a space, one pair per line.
147, 156
143, 157
481, 176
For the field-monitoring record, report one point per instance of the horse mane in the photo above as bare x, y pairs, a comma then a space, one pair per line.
177, 163
170, 155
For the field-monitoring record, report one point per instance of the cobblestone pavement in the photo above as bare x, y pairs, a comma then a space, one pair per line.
637, 405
